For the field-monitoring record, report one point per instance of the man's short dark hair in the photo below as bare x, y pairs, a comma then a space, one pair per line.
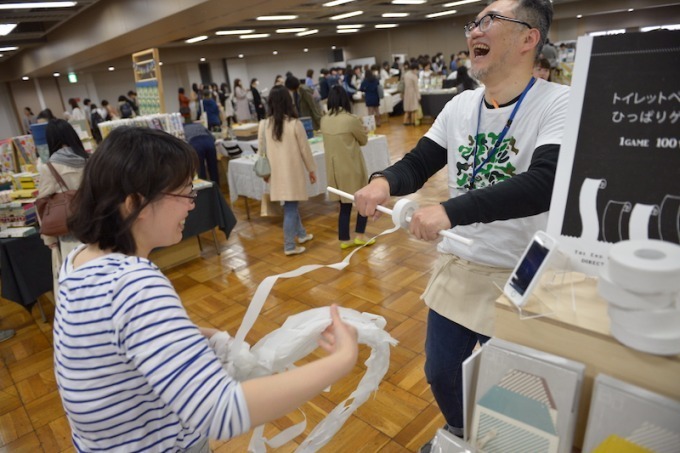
539, 14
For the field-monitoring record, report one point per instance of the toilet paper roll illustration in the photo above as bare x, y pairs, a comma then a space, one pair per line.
587, 206
669, 218
613, 220
638, 224
646, 267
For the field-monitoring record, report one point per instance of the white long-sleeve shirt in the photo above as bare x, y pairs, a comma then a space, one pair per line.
134, 373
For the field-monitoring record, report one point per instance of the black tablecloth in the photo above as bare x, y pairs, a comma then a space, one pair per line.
211, 211
26, 263
26, 269
432, 104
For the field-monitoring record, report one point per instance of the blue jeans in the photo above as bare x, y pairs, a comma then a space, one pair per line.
292, 225
447, 345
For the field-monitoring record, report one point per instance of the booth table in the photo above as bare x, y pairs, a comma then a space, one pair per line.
26, 269
387, 104
244, 182
211, 211
434, 101
583, 335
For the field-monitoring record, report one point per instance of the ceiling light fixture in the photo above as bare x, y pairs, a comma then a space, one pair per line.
36, 5
160, 63
351, 26
8, 49
333, 47
255, 36
346, 15
305, 50
442, 13
630, 10
307, 33
347, 30
202, 58
196, 39
56, 74
408, 2
290, 30
386, 26
240, 55
337, 2
578, 16
233, 32
395, 14
25, 77
111, 68
276, 52
462, 2
283, 17
6, 29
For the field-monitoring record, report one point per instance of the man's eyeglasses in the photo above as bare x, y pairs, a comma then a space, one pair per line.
485, 22
191, 195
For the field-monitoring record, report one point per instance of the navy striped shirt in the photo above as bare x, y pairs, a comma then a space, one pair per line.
134, 373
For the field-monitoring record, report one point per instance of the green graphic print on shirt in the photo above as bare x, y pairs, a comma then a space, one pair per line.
497, 169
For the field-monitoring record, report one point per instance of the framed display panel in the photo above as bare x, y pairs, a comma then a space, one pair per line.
624, 417
525, 400
148, 82
617, 176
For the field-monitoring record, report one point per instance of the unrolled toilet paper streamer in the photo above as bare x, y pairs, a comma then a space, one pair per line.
647, 267
298, 336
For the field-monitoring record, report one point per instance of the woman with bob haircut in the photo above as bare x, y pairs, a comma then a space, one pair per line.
134, 373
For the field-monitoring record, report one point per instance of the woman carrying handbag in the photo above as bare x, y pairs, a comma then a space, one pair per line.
282, 138
67, 158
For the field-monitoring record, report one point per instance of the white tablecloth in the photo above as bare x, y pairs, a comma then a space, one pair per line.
386, 105
243, 181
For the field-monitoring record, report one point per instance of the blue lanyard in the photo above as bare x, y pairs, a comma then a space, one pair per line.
502, 135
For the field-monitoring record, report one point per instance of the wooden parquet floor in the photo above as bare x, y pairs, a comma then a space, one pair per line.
386, 279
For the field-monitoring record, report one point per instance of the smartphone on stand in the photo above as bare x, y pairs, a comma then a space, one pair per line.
529, 268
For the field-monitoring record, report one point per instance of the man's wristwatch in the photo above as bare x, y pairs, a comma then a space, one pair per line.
377, 174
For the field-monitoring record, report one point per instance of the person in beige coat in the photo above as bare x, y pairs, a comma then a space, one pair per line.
411, 93
283, 139
343, 136
68, 157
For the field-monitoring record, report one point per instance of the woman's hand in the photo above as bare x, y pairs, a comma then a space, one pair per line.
312, 177
340, 338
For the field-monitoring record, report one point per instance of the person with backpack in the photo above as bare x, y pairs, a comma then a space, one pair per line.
95, 119
125, 107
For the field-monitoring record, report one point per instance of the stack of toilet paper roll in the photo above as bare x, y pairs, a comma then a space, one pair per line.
641, 282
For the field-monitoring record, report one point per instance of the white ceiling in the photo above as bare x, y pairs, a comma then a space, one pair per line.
97, 31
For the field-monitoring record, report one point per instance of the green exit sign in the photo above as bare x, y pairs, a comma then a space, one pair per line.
72, 77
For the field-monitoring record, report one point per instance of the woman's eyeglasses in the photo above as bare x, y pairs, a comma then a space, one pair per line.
190, 196
485, 22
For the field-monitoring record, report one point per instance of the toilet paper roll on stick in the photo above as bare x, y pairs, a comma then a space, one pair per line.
402, 213
645, 266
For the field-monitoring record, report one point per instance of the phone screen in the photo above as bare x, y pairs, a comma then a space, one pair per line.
527, 269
